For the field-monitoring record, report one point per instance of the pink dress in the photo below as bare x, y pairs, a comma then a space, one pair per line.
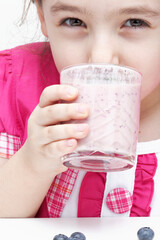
24, 72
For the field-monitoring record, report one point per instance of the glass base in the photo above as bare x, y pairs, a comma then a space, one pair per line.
98, 161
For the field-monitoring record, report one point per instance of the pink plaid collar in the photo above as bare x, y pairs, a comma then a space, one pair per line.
60, 192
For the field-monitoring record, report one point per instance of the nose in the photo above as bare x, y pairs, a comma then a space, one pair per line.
103, 50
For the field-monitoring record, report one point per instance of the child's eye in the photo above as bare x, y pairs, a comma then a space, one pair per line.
73, 22
135, 23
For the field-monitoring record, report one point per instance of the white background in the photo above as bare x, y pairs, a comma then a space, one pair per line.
11, 34
113, 228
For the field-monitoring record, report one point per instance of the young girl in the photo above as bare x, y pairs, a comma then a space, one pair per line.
34, 182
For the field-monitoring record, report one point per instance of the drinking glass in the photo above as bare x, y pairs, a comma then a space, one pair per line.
113, 95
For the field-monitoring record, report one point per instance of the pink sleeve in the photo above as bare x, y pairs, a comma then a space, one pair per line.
7, 94
24, 73
9, 137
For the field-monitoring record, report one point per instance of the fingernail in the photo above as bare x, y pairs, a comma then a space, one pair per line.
82, 108
70, 142
71, 91
81, 127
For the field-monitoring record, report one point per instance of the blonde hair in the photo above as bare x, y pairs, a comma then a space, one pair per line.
27, 4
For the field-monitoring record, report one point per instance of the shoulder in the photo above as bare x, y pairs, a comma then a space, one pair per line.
28, 65
24, 72
25, 52
28, 58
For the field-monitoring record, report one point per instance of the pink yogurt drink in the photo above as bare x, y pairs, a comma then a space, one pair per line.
113, 95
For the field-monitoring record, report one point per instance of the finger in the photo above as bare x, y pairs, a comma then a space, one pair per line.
60, 148
55, 93
56, 113
64, 131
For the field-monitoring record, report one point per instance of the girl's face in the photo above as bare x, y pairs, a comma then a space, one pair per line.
124, 32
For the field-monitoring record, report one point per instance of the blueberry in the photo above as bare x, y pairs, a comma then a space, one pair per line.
71, 238
145, 233
77, 236
60, 237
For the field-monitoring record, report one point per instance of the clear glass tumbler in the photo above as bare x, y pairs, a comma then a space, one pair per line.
113, 95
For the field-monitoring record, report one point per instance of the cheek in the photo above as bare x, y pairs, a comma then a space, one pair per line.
149, 83
148, 64
151, 76
65, 57
61, 62
67, 52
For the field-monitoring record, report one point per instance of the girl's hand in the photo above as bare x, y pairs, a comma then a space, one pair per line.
48, 140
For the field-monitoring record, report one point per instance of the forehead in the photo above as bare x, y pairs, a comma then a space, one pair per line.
106, 3
105, 8
108, 6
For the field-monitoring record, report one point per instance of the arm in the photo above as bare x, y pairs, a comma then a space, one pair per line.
26, 177
21, 189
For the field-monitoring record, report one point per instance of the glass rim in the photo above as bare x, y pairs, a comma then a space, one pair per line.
100, 64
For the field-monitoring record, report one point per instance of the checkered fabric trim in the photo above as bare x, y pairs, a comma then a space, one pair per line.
9, 145
60, 191
119, 200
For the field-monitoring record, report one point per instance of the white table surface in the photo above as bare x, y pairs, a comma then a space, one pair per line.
93, 228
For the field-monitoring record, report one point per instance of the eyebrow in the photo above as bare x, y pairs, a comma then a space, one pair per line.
140, 10
60, 7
